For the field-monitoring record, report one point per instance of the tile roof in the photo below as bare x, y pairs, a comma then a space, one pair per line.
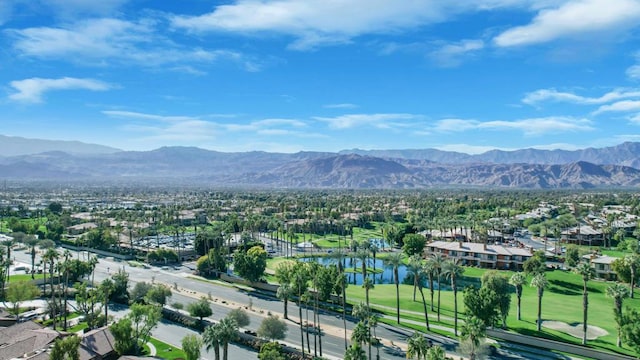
480, 248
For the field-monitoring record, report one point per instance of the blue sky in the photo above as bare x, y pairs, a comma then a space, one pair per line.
322, 75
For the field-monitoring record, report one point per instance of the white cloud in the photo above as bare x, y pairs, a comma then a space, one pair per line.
341, 106
156, 128
635, 119
633, 72
32, 90
531, 127
573, 18
559, 96
312, 23
357, 120
620, 106
452, 54
105, 40
469, 149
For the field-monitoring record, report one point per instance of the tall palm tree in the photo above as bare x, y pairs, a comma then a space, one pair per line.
586, 271
106, 288
51, 255
438, 261
283, 293
473, 330
539, 282
394, 261
31, 242
93, 262
423, 271
518, 280
341, 287
417, 347
361, 334
632, 261
228, 332
452, 270
429, 270
211, 339
299, 283
368, 285
415, 268
66, 269
362, 254
617, 292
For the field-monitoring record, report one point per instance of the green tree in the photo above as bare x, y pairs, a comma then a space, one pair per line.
284, 276
200, 309
271, 351
499, 284
539, 282
106, 289
394, 260
240, 316
228, 332
437, 262
191, 345
158, 294
211, 339
632, 262
481, 304
631, 329
20, 291
122, 332
144, 318
251, 265
272, 328
533, 266
139, 291
436, 353
572, 256
617, 292
417, 347
89, 304
518, 280
414, 268
120, 290
355, 352
421, 274
66, 349
413, 244
473, 333
452, 270
360, 334
587, 273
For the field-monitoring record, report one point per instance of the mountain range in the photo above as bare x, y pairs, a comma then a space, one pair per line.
64, 162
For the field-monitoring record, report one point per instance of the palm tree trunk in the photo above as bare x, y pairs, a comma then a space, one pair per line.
631, 283
455, 306
415, 286
539, 311
225, 350
286, 312
395, 270
438, 296
65, 299
344, 315
519, 298
585, 305
431, 290
300, 318
424, 305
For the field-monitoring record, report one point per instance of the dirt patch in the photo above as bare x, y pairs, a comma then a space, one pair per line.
593, 332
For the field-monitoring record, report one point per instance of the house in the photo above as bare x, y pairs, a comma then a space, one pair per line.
481, 255
81, 228
26, 340
98, 344
602, 266
583, 235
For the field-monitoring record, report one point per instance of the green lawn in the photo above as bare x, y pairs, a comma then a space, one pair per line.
562, 301
24, 277
165, 351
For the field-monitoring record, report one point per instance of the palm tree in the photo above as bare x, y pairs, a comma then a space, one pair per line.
355, 352
283, 293
417, 347
361, 334
452, 270
414, 268
422, 272
106, 288
362, 254
617, 292
228, 331
632, 261
394, 261
93, 262
300, 280
586, 271
517, 280
211, 339
51, 255
540, 282
341, 287
31, 242
429, 270
368, 285
436, 353
66, 269
438, 261
473, 330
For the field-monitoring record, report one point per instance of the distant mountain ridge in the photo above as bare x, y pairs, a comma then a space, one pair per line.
15, 146
627, 154
616, 166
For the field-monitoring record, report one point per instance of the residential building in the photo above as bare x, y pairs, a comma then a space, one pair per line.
602, 266
481, 255
583, 235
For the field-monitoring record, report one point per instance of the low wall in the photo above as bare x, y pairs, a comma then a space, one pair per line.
96, 251
555, 345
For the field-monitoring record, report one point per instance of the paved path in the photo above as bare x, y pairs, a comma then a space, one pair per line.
152, 349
